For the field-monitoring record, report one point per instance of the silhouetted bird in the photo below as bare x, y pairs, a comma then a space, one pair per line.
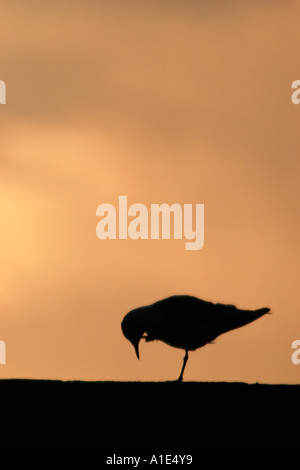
184, 322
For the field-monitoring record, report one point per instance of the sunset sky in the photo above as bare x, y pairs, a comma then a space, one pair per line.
163, 101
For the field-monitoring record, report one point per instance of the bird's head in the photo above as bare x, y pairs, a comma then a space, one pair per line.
132, 329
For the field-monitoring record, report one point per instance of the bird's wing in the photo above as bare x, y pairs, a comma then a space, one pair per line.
189, 322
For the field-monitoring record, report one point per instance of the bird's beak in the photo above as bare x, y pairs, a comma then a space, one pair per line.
136, 347
135, 343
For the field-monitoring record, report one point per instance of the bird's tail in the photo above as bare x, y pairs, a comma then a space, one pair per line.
249, 316
262, 311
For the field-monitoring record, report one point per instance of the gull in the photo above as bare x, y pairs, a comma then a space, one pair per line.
184, 322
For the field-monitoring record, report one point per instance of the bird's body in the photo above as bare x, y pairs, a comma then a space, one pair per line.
185, 322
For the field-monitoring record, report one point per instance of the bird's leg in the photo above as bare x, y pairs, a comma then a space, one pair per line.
183, 367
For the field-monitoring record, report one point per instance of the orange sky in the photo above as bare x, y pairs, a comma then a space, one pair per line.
186, 102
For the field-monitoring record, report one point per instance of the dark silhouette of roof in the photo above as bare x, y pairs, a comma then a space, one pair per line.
184, 322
